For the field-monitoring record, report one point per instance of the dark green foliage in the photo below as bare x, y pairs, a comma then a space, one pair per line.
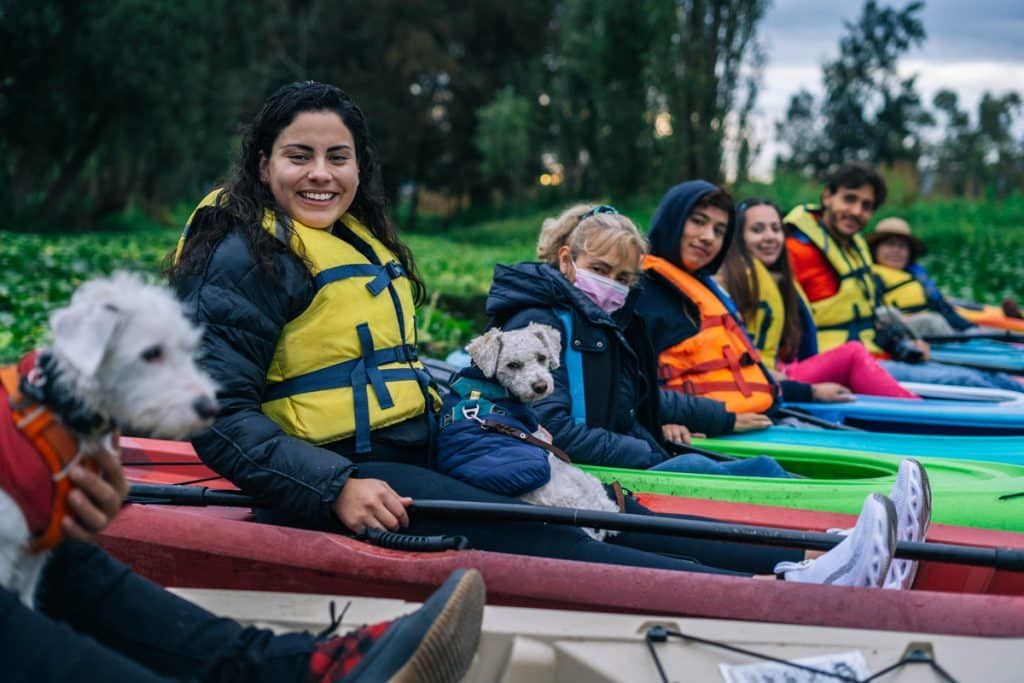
106, 105
983, 157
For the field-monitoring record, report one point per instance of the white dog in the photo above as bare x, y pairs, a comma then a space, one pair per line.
122, 358
521, 361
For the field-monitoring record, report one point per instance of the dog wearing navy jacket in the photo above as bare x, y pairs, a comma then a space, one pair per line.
511, 370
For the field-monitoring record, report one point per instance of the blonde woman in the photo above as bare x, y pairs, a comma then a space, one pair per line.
607, 408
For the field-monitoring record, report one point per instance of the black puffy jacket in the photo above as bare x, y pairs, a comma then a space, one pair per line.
243, 308
661, 305
624, 407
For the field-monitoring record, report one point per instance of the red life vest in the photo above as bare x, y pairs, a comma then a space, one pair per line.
34, 446
719, 361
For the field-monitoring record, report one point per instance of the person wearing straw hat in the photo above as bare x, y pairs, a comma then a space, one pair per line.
905, 284
832, 263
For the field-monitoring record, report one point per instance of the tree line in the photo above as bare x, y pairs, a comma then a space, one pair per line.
870, 112
110, 105
106, 105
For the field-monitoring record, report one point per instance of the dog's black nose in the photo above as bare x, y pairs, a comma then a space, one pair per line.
205, 407
539, 387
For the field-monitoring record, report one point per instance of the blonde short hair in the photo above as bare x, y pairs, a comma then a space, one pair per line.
589, 233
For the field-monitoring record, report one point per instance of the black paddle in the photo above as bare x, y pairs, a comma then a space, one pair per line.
988, 336
999, 558
798, 414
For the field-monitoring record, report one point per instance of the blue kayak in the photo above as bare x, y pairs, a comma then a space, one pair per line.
1003, 449
984, 354
959, 411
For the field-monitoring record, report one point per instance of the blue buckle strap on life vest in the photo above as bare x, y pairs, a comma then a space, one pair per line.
382, 275
574, 368
340, 374
762, 334
853, 328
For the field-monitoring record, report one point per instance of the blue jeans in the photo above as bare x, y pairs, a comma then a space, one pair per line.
692, 463
952, 375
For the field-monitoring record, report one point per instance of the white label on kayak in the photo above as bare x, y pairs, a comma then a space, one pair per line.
851, 664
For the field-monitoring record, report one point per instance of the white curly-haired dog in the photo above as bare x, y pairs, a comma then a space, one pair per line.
122, 358
521, 361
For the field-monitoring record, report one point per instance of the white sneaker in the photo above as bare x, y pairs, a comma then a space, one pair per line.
861, 559
912, 496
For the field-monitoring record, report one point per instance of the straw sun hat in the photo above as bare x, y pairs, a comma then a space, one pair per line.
896, 227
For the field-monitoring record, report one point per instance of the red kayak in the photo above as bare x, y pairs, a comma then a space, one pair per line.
217, 547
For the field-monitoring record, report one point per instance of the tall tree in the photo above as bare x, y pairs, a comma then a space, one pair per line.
599, 96
869, 111
973, 157
702, 56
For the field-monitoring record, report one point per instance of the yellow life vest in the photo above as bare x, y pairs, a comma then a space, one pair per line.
901, 289
347, 364
766, 327
849, 314
719, 361
770, 319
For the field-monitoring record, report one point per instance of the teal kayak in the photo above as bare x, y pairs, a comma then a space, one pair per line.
1003, 449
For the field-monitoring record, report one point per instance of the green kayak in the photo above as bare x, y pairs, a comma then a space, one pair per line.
977, 494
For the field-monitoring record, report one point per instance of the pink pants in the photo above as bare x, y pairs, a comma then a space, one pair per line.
851, 365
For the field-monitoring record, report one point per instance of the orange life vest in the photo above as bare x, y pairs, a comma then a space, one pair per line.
718, 362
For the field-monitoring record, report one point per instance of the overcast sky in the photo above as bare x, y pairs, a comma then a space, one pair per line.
972, 46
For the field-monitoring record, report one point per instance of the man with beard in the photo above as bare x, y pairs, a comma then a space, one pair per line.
832, 263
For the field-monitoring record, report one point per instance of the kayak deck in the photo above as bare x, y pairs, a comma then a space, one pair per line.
529, 645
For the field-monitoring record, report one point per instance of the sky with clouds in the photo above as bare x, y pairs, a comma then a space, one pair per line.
972, 46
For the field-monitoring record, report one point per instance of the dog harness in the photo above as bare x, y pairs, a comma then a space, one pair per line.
719, 362
347, 364
849, 314
36, 453
478, 402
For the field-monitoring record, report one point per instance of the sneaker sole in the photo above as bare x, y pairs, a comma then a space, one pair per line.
923, 521
448, 648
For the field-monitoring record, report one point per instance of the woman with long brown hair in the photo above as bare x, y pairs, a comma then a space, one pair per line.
757, 275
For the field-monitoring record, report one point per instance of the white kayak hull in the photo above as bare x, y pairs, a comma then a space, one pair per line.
521, 645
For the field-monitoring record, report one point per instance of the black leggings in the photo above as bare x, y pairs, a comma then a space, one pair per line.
635, 549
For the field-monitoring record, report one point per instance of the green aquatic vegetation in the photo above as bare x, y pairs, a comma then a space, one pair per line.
976, 251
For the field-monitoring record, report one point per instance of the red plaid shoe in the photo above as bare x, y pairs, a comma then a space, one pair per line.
435, 644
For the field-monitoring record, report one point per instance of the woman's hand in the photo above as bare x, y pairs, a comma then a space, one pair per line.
95, 497
830, 392
371, 503
677, 434
751, 422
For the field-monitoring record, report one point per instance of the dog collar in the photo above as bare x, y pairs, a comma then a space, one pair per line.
466, 387
56, 450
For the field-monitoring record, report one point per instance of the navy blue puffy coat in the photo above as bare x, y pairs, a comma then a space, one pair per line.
624, 406
487, 459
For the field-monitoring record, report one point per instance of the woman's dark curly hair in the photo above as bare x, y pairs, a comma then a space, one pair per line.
245, 196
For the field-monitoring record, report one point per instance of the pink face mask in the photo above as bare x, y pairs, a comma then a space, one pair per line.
608, 294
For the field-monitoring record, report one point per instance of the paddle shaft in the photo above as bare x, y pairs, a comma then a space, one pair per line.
999, 558
816, 421
957, 338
